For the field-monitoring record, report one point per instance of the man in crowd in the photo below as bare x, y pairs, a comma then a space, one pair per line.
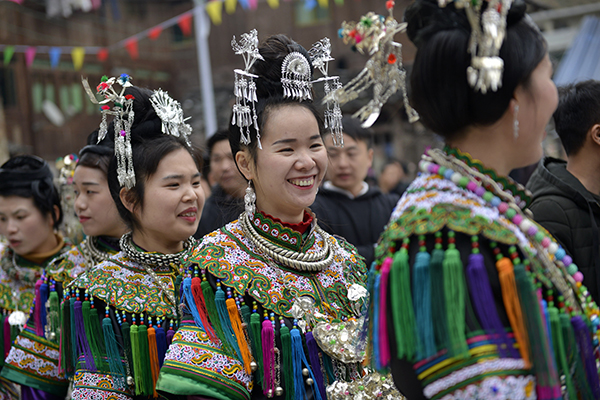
566, 195
227, 199
346, 205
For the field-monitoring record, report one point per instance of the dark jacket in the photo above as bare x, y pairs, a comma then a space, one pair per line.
360, 220
563, 206
219, 210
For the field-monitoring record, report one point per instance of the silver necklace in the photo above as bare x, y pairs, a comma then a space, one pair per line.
305, 262
92, 255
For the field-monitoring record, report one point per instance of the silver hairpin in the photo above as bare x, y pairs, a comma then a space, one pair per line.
170, 113
296, 77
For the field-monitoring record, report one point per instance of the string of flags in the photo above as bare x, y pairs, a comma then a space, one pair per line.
214, 9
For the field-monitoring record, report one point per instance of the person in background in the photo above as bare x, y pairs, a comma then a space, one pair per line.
392, 177
566, 194
346, 205
30, 214
226, 201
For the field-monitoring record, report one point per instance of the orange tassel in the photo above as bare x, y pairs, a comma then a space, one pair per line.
510, 296
154, 366
201, 307
236, 324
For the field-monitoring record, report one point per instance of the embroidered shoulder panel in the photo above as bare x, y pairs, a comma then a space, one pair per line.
432, 203
127, 286
229, 256
67, 266
13, 290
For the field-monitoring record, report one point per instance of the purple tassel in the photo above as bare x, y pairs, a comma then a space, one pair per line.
161, 344
37, 311
170, 334
7, 337
485, 308
44, 292
82, 343
313, 354
582, 335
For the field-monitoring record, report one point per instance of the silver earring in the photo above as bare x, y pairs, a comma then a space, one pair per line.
516, 122
250, 200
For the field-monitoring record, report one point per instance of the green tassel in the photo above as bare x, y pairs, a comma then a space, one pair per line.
245, 311
74, 354
137, 360
93, 334
286, 347
559, 349
438, 311
144, 353
213, 314
402, 306
53, 318
328, 366
112, 352
128, 351
574, 361
255, 328
97, 327
65, 339
455, 295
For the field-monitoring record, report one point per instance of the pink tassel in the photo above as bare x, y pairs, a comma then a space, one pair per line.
37, 312
267, 335
7, 337
384, 346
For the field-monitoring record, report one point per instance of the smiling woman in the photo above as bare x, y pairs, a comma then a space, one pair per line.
120, 315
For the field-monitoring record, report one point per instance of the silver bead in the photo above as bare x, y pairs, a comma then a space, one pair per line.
52, 336
270, 393
305, 371
278, 391
130, 381
309, 382
253, 366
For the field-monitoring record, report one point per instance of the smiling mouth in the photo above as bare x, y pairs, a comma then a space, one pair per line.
302, 182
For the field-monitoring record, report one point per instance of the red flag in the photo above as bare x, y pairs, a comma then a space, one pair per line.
30, 55
132, 48
185, 23
102, 54
155, 32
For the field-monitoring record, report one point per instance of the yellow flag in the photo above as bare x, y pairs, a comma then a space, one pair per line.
78, 54
230, 6
215, 10
323, 3
273, 3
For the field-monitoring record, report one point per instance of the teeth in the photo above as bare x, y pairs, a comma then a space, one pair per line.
188, 215
302, 182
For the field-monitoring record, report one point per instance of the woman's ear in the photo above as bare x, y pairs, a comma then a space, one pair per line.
56, 211
126, 198
245, 164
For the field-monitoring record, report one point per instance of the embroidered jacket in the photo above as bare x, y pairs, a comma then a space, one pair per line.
470, 298
33, 360
233, 353
17, 292
114, 332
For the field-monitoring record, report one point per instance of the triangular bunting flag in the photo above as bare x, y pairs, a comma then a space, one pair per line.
310, 4
273, 3
214, 9
230, 6
253, 4
54, 56
78, 54
185, 23
155, 32
8, 53
102, 54
30, 55
132, 48
245, 4
324, 3
339, 2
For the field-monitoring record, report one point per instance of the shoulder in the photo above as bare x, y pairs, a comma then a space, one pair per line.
67, 265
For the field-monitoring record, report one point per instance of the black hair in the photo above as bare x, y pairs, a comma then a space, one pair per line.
96, 155
149, 146
578, 110
440, 92
269, 90
30, 177
217, 137
353, 128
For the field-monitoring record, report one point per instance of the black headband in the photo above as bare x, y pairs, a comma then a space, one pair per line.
97, 149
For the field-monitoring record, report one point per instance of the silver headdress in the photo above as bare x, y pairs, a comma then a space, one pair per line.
244, 110
373, 35
167, 109
320, 55
488, 30
295, 77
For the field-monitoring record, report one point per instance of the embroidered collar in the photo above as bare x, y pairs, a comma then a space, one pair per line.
274, 230
507, 183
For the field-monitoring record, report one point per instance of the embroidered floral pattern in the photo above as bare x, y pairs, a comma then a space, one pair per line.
497, 388
67, 266
96, 386
279, 234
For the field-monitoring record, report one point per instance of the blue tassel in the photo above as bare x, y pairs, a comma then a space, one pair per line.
225, 321
112, 352
161, 344
422, 306
297, 354
376, 333
44, 292
191, 304
316, 389
544, 305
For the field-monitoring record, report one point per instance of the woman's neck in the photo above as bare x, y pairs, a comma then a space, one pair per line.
289, 216
151, 244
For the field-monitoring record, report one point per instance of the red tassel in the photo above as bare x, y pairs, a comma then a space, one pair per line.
201, 307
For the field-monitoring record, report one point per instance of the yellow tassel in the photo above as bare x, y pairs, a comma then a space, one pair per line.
510, 296
236, 324
154, 366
